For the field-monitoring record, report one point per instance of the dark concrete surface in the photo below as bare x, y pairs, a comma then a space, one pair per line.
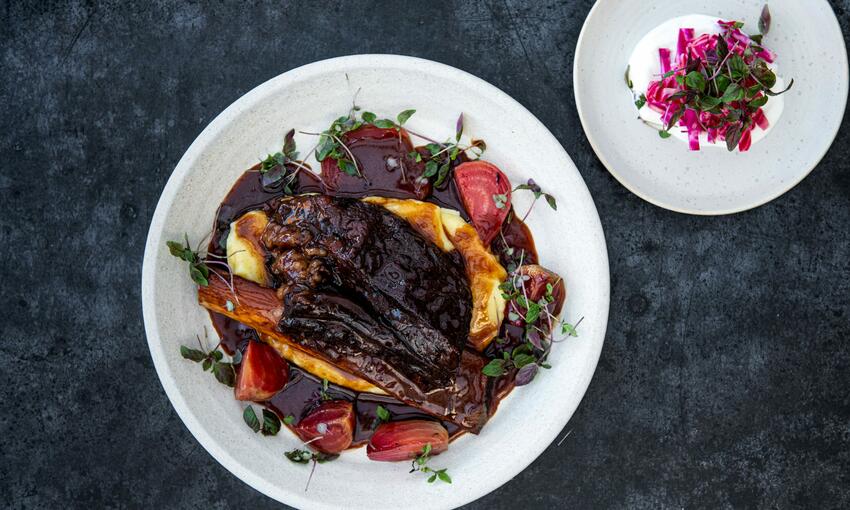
724, 378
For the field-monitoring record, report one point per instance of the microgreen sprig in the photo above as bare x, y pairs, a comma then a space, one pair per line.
199, 266
276, 167
331, 144
528, 357
501, 200
286, 155
441, 156
198, 270
420, 463
299, 456
538, 327
323, 393
270, 425
224, 372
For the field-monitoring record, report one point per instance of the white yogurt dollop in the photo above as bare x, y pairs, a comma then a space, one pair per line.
645, 66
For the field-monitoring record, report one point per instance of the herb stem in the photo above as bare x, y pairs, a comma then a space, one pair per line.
226, 282
207, 236
720, 66
414, 133
223, 256
300, 164
312, 470
536, 197
339, 141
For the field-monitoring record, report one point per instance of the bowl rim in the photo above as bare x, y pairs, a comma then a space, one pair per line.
577, 91
173, 187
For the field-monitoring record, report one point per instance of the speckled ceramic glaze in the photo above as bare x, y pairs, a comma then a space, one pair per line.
808, 40
570, 241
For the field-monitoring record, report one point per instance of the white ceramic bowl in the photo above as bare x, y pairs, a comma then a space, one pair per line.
570, 242
808, 40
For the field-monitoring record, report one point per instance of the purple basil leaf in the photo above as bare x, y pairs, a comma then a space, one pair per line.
526, 374
764, 20
459, 127
733, 136
535, 339
289, 143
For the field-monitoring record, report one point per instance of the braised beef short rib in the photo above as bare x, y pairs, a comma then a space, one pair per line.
361, 289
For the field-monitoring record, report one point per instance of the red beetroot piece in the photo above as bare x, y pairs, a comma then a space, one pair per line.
329, 428
404, 440
486, 195
535, 286
262, 373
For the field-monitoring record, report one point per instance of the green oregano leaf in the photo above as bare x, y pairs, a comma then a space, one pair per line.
347, 167
383, 413
384, 123
523, 359
431, 168
495, 368
299, 456
403, 116
733, 93
695, 81
442, 174
271, 423
251, 419
225, 373
192, 354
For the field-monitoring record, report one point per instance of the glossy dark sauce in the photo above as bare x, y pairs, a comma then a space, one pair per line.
449, 198
387, 170
385, 167
303, 393
515, 234
248, 194
234, 335
381, 158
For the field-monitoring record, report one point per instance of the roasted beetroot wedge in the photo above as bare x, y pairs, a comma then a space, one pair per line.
536, 286
329, 428
405, 440
480, 183
262, 373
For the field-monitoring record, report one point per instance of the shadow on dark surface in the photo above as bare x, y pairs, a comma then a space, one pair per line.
724, 377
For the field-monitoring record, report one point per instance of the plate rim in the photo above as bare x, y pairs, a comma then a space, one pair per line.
845, 77
173, 187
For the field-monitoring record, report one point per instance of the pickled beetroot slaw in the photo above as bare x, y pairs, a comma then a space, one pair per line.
716, 84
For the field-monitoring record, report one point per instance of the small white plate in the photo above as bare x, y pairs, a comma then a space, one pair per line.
570, 241
810, 47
